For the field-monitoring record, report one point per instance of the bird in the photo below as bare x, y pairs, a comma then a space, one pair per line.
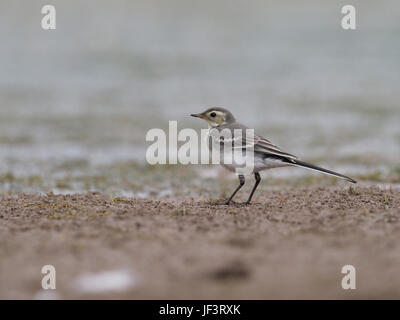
266, 154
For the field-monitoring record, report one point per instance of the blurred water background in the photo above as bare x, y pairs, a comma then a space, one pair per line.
76, 102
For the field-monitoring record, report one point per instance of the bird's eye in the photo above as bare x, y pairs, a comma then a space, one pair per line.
213, 114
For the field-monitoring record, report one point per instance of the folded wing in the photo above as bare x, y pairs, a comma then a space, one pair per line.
239, 136
260, 144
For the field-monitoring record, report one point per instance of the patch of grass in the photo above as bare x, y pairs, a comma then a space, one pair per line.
7, 177
180, 212
394, 174
121, 200
59, 216
15, 140
62, 184
386, 200
353, 191
100, 214
306, 180
375, 176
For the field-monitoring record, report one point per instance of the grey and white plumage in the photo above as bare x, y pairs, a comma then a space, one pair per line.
266, 154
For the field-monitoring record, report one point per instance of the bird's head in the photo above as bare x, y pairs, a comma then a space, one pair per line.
216, 116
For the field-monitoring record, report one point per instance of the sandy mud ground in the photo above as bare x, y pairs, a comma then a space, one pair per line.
290, 243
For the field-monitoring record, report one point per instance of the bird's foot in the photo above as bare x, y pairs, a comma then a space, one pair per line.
238, 204
225, 203
233, 203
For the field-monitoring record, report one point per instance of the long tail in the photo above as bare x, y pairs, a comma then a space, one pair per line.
298, 163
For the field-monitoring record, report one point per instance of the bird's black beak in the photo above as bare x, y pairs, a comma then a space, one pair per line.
196, 115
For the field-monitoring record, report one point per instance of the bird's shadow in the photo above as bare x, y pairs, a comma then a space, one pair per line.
231, 204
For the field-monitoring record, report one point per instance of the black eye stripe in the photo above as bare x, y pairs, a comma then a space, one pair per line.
213, 114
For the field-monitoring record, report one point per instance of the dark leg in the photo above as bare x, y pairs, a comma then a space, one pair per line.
258, 179
241, 184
